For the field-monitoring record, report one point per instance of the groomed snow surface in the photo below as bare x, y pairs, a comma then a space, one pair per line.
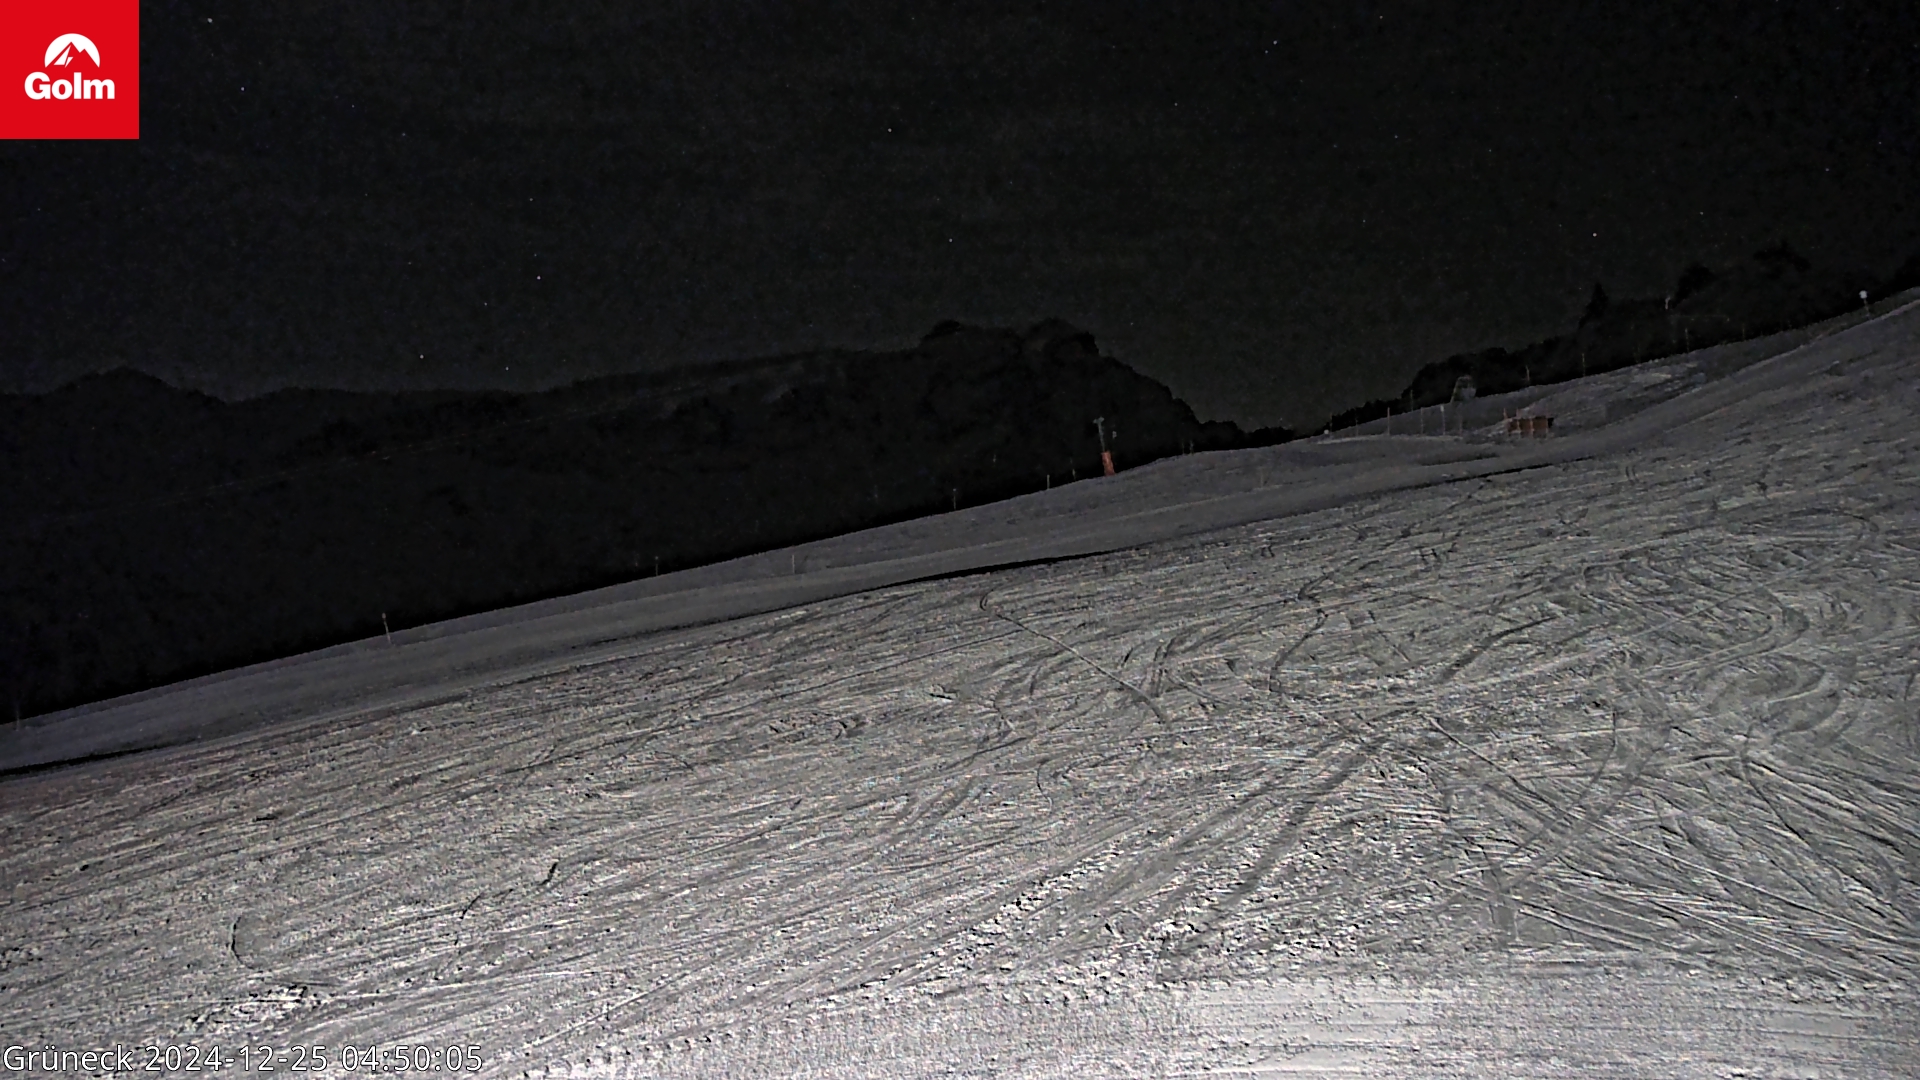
1603, 767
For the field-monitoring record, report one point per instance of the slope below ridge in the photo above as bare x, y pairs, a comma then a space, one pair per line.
1600, 764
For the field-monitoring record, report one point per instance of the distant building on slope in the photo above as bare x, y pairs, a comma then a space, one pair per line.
1523, 424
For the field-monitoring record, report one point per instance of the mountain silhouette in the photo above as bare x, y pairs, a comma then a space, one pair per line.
62, 52
153, 533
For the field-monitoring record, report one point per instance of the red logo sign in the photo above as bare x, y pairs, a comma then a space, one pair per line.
70, 69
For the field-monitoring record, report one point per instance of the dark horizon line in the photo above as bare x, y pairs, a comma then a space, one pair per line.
1883, 284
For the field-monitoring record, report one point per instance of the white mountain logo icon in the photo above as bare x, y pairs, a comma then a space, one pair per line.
62, 52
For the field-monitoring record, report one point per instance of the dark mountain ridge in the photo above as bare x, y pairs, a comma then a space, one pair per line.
154, 533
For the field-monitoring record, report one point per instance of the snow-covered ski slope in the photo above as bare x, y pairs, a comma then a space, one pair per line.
1180, 497
1593, 756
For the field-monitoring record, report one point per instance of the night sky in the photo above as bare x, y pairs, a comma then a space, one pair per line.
1277, 209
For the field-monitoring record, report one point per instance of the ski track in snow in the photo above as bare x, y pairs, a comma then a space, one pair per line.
1599, 769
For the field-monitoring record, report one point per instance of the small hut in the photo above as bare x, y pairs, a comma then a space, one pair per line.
1520, 424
